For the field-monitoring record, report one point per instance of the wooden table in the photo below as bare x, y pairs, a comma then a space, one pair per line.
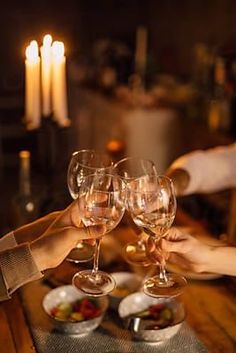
210, 307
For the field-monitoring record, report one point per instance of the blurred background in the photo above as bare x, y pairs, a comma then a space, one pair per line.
151, 78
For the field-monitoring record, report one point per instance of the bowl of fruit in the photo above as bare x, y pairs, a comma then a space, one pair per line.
152, 320
72, 312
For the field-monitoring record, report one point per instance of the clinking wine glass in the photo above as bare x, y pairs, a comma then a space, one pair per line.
101, 204
152, 205
128, 169
82, 163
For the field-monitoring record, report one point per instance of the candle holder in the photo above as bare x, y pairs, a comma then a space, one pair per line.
53, 148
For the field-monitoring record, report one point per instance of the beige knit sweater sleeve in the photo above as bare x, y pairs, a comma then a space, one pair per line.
17, 266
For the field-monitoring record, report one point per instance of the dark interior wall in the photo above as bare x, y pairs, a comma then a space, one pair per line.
174, 27
177, 25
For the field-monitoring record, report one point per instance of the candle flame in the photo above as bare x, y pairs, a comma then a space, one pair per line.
32, 51
58, 49
47, 40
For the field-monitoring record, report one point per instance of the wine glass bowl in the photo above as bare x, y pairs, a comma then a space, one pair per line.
129, 169
152, 205
101, 204
83, 163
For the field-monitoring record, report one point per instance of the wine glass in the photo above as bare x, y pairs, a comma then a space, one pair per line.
152, 205
101, 204
82, 163
128, 169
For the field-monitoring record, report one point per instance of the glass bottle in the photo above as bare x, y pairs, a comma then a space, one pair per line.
25, 207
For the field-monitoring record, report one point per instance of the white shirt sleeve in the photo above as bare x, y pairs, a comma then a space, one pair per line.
210, 171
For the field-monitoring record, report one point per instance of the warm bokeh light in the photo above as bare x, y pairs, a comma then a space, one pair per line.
58, 49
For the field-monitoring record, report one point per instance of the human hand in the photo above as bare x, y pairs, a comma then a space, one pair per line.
62, 235
185, 250
154, 252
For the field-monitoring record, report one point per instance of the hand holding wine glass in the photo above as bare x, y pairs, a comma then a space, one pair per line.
152, 205
82, 163
101, 203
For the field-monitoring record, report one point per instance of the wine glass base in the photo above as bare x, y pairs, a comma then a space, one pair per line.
174, 286
82, 253
135, 254
94, 285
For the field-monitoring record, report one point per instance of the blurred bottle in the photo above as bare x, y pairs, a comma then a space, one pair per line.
25, 207
233, 99
219, 116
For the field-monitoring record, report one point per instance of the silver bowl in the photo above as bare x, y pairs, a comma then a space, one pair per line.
129, 281
70, 294
139, 301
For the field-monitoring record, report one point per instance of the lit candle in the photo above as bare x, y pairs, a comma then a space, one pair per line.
46, 68
59, 93
32, 86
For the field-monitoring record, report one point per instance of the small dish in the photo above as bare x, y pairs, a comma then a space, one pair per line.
126, 283
139, 302
68, 294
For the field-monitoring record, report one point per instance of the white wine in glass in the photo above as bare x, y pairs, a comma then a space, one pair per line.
152, 205
101, 204
83, 163
129, 169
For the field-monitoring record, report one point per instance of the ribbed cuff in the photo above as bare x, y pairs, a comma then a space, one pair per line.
18, 267
4, 295
7, 241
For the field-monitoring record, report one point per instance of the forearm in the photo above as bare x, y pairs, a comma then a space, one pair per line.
33, 230
221, 259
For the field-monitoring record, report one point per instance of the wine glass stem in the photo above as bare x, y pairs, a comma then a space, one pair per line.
162, 274
96, 257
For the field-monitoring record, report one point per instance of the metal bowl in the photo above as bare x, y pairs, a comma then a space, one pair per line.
70, 294
138, 302
126, 283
